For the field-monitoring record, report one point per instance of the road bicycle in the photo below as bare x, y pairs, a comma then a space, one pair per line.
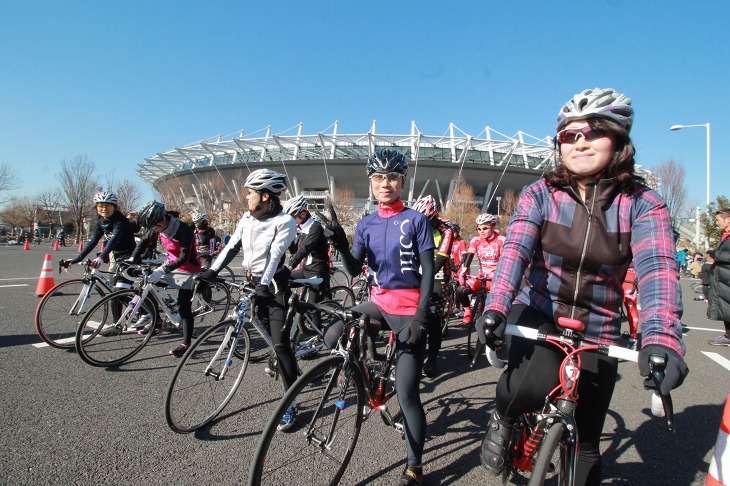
118, 326
476, 302
333, 399
61, 310
211, 370
544, 444
362, 286
339, 277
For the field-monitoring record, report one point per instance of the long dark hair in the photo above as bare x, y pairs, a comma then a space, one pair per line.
621, 167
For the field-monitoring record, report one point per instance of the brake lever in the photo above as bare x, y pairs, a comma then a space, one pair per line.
657, 364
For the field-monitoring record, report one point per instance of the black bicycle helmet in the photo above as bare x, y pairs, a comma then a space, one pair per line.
151, 214
385, 160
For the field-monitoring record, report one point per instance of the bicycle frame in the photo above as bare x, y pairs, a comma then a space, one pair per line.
561, 402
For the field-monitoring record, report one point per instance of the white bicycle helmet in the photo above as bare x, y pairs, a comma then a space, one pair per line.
385, 160
296, 205
105, 197
486, 218
198, 217
266, 179
426, 205
600, 103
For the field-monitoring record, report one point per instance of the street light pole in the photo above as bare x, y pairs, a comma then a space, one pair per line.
707, 126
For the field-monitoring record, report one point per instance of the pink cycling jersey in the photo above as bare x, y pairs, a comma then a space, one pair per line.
488, 251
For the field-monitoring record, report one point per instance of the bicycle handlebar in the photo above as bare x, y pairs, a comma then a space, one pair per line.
657, 363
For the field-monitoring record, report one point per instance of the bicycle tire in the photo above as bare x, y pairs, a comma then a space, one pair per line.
475, 346
342, 295
196, 394
259, 349
339, 278
56, 317
303, 451
98, 350
546, 458
361, 289
217, 294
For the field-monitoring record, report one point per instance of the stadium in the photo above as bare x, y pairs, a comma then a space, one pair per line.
318, 165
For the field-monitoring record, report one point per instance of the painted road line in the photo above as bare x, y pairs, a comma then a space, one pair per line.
721, 360
15, 285
702, 329
18, 278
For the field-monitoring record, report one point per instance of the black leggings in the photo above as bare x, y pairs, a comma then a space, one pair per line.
407, 374
185, 308
533, 372
273, 313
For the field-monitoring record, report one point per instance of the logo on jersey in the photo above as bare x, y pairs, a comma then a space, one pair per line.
407, 255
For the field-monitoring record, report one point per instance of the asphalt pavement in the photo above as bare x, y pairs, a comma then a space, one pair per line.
69, 423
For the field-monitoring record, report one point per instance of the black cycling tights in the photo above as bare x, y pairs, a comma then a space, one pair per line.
274, 312
407, 374
185, 308
533, 372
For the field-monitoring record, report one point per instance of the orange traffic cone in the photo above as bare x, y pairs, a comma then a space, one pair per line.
719, 473
26, 245
55, 246
45, 282
81, 245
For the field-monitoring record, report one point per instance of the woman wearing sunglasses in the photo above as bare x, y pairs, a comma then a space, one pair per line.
572, 237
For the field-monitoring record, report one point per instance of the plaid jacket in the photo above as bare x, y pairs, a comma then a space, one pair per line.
576, 255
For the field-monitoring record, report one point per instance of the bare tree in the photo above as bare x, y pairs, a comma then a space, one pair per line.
12, 215
129, 195
506, 209
9, 180
49, 206
78, 186
347, 213
670, 175
462, 209
28, 208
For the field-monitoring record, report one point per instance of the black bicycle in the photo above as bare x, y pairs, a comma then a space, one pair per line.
333, 398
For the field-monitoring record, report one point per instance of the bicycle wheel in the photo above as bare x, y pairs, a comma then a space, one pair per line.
550, 461
361, 290
105, 340
206, 311
319, 446
473, 345
218, 294
197, 392
259, 349
342, 295
62, 309
338, 278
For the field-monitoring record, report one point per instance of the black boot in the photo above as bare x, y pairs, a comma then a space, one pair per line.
494, 446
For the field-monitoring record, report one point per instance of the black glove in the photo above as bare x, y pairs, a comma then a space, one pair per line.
419, 328
674, 373
65, 263
490, 328
208, 274
333, 231
263, 294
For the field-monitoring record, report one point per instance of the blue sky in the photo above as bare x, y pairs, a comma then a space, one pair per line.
121, 81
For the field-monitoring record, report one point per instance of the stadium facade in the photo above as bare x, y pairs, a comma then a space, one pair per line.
317, 165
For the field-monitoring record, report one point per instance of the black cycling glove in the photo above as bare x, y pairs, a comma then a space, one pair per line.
674, 372
490, 328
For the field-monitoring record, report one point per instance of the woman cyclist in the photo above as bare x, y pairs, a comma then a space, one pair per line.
487, 247
204, 239
182, 262
396, 241
443, 237
573, 235
264, 234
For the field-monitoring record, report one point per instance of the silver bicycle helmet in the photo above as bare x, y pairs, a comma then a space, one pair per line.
597, 102
266, 179
151, 214
426, 205
296, 205
385, 160
105, 197
486, 218
198, 217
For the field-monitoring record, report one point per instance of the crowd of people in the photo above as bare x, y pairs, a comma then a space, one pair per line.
585, 240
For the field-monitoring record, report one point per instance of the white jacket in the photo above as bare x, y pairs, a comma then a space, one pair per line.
263, 243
